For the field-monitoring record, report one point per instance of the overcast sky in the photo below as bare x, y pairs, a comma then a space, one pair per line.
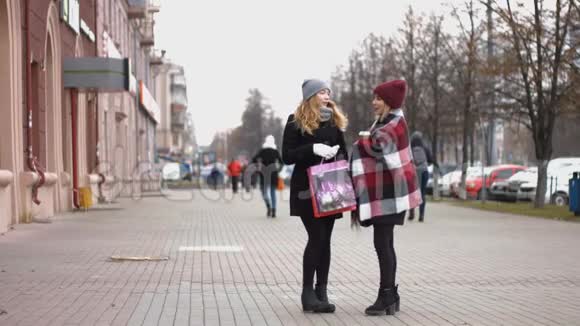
230, 46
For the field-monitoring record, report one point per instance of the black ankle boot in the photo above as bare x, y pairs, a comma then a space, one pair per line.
269, 211
387, 302
411, 214
273, 212
311, 303
321, 293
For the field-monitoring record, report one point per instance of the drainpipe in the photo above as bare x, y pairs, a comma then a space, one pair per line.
101, 198
137, 132
75, 177
31, 161
97, 154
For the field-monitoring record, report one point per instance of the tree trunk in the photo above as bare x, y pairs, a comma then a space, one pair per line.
465, 156
466, 134
541, 186
434, 151
490, 148
456, 149
472, 147
435, 144
441, 157
436, 173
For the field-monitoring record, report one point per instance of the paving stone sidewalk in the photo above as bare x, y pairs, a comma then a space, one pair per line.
230, 265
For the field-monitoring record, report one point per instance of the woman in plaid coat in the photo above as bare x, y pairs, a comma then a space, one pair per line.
386, 184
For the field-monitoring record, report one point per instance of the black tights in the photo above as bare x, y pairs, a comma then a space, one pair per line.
317, 251
383, 238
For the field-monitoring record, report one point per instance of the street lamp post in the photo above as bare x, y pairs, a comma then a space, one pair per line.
483, 153
226, 147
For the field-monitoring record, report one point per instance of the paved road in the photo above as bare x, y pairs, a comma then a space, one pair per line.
229, 265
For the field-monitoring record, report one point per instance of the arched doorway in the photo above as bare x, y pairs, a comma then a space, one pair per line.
53, 142
10, 109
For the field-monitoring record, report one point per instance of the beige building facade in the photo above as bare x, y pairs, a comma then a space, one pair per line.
173, 130
11, 88
63, 127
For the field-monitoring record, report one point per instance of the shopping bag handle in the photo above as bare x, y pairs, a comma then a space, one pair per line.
322, 161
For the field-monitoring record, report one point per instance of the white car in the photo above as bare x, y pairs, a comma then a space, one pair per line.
510, 188
443, 170
446, 181
523, 185
171, 172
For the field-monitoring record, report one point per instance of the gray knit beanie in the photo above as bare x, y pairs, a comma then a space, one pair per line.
312, 86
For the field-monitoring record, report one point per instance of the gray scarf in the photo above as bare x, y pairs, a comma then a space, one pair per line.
325, 114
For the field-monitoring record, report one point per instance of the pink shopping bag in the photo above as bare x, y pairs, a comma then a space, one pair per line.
331, 188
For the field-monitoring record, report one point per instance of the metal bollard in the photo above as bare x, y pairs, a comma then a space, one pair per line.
551, 189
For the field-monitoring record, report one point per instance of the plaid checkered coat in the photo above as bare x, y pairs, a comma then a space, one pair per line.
383, 172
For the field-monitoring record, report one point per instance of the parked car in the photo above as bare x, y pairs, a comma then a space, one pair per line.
557, 184
171, 172
443, 170
502, 190
474, 183
454, 186
446, 181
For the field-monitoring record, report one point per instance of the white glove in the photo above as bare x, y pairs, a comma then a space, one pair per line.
325, 151
335, 149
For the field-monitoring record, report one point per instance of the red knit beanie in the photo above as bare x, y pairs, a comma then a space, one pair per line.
392, 92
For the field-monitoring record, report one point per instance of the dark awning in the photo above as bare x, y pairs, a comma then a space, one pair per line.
102, 74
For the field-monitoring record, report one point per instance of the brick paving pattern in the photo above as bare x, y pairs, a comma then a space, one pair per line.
461, 267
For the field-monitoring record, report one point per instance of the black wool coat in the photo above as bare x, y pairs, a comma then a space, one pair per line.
297, 149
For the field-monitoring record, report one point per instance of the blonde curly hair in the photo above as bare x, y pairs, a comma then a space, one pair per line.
307, 115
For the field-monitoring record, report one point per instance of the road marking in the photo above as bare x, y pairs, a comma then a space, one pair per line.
213, 248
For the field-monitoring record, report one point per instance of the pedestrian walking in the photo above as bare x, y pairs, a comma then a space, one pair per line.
215, 177
270, 164
422, 158
385, 181
234, 171
313, 134
246, 183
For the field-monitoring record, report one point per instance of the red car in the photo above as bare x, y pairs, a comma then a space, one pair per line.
474, 183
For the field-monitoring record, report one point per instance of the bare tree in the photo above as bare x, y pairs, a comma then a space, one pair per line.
434, 67
368, 65
465, 56
258, 121
539, 72
409, 63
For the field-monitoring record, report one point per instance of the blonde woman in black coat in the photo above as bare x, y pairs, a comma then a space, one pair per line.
312, 134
